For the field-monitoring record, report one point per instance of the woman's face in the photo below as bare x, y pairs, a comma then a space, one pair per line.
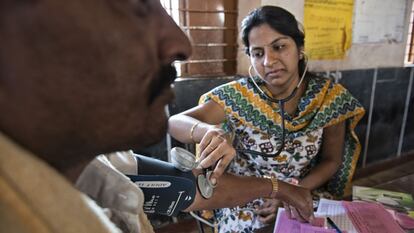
274, 57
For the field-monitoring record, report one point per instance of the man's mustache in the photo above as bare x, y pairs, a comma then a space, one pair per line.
165, 78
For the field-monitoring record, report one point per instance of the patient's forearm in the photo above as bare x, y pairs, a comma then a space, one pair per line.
233, 190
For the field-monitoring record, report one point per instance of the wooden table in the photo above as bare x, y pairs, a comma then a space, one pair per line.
403, 184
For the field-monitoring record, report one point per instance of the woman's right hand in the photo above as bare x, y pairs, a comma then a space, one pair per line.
216, 151
297, 201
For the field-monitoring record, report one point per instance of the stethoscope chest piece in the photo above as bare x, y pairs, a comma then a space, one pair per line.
183, 159
204, 186
186, 161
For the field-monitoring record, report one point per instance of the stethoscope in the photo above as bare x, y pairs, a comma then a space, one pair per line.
281, 103
186, 161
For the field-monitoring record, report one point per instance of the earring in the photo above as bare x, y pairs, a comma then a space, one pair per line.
301, 55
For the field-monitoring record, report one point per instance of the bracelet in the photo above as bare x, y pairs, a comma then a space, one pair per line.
192, 131
275, 186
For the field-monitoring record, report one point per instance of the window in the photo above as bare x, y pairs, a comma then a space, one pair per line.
409, 57
212, 27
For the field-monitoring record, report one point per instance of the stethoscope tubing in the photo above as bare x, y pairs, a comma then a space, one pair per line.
281, 103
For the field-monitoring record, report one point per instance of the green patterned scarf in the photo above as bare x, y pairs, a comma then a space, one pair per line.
323, 104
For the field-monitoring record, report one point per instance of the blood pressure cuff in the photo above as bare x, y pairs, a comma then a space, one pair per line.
167, 190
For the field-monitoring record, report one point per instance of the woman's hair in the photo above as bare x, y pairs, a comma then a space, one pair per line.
277, 18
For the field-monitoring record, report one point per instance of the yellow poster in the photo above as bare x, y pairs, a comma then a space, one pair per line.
328, 28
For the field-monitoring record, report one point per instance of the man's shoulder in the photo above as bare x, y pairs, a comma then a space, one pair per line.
36, 198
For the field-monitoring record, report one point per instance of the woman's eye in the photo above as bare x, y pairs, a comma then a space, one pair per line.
257, 54
278, 47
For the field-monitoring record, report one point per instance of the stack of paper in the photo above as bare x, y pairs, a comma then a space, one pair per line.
350, 217
337, 213
284, 224
371, 218
399, 205
401, 202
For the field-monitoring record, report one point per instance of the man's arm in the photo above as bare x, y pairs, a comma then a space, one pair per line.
106, 184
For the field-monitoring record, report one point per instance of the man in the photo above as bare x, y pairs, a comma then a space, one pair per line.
81, 78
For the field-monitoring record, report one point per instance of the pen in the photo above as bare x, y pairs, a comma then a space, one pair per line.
333, 225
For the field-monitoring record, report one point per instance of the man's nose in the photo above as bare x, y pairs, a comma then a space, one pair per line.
174, 44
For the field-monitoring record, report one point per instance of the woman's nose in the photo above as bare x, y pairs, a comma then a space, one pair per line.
270, 58
174, 44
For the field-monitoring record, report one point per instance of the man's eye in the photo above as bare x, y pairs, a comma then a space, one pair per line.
141, 7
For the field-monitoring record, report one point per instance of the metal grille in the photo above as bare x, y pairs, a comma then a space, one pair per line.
212, 27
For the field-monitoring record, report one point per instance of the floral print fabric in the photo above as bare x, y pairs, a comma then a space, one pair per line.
255, 123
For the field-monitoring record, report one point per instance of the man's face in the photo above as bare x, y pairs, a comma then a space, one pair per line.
89, 73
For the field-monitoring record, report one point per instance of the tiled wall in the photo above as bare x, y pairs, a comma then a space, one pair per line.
386, 94
386, 131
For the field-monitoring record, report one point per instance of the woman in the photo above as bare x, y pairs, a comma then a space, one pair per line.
239, 125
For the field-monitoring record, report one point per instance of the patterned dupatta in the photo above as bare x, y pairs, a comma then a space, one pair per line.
323, 104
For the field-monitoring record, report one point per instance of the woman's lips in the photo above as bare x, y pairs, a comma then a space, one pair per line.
274, 73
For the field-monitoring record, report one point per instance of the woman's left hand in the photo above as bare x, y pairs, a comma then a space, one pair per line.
268, 211
216, 151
